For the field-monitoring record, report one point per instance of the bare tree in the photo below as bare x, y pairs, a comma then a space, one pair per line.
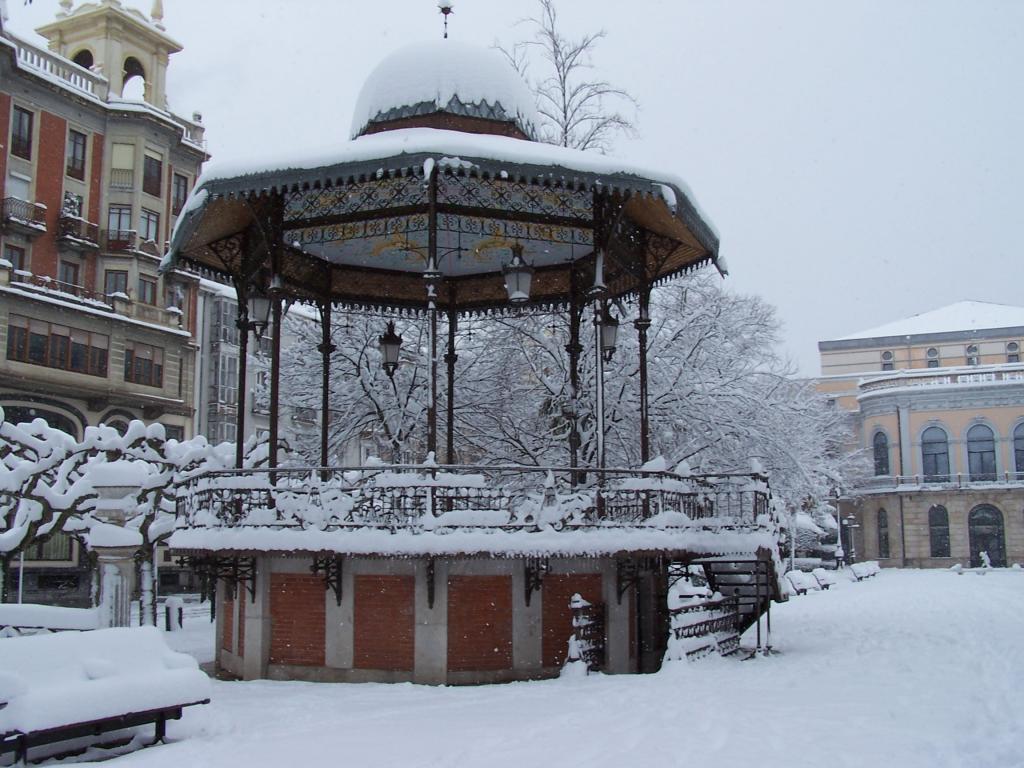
578, 109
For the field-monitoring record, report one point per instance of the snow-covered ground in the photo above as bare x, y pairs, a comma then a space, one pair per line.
910, 668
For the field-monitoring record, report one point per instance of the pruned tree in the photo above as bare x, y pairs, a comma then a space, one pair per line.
578, 109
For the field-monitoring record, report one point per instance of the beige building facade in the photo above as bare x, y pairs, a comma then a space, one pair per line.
938, 405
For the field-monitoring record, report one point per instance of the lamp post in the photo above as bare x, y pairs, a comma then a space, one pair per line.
851, 525
253, 315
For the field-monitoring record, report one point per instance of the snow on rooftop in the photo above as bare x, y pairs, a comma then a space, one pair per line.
445, 75
962, 316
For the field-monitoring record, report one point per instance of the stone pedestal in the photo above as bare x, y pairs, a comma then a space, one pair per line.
117, 584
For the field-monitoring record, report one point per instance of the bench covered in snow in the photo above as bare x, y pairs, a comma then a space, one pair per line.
865, 570
17, 617
825, 578
60, 687
801, 583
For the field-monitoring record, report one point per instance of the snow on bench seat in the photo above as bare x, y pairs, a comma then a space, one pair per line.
18, 616
802, 583
825, 578
50, 682
865, 570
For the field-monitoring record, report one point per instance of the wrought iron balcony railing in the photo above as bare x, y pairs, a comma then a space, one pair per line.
50, 285
419, 498
119, 240
27, 214
77, 230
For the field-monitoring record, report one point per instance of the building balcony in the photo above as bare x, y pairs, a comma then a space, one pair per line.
77, 233
122, 179
442, 499
886, 483
24, 217
64, 291
119, 240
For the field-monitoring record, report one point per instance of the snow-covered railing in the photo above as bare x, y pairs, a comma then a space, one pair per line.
941, 482
25, 212
55, 67
422, 498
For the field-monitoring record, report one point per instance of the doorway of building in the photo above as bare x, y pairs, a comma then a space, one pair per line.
985, 527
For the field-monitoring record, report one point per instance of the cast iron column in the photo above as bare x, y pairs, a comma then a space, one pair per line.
432, 286
325, 349
642, 323
242, 321
575, 349
275, 380
450, 358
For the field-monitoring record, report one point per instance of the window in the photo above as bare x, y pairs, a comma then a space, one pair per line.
938, 530
226, 378
228, 322
115, 281
986, 536
1013, 352
21, 134
56, 346
76, 155
147, 290
152, 174
972, 354
981, 453
179, 193
883, 534
122, 167
119, 218
174, 432
56, 548
84, 58
149, 225
1018, 449
68, 273
932, 355
143, 364
881, 449
935, 455
17, 256
887, 361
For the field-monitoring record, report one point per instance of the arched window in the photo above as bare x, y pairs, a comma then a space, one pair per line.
881, 448
17, 414
1018, 450
985, 527
933, 357
883, 534
981, 453
1013, 352
972, 354
938, 530
935, 455
83, 58
888, 361
133, 68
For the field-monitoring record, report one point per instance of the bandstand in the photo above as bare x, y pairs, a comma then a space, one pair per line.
444, 206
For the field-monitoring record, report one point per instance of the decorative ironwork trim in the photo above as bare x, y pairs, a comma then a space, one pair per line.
534, 570
332, 569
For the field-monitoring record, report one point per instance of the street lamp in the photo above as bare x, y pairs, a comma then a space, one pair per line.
390, 345
518, 275
259, 313
609, 333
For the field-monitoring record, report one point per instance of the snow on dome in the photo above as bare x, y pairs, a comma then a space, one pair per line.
445, 76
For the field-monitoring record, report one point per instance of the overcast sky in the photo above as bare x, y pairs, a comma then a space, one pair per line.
863, 161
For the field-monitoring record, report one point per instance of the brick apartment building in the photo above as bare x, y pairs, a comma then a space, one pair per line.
94, 170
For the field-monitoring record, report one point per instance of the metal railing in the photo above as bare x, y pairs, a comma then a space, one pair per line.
884, 482
419, 498
77, 228
120, 240
25, 212
50, 285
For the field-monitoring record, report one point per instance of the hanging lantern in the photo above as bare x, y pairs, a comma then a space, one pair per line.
518, 275
390, 344
609, 334
259, 312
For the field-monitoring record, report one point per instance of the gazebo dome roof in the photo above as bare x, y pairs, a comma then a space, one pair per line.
446, 84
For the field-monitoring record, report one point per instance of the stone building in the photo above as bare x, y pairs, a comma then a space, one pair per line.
94, 170
938, 404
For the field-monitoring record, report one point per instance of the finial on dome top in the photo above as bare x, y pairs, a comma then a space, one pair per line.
447, 9
157, 14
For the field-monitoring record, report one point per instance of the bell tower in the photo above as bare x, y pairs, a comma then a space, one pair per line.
118, 42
